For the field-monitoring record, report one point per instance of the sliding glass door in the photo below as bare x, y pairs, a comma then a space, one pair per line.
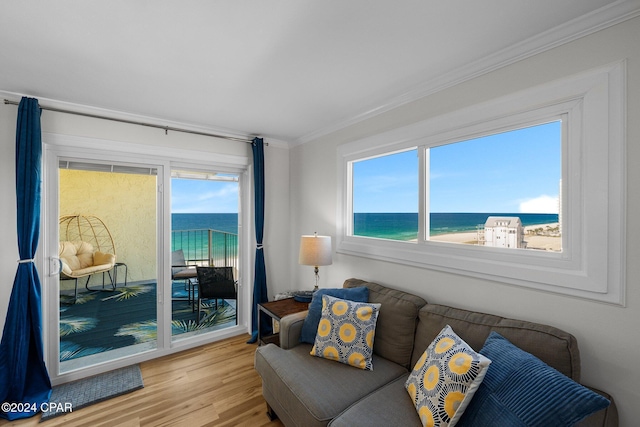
204, 236
108, 287
124, 234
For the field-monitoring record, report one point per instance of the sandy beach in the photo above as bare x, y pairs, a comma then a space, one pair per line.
539, 242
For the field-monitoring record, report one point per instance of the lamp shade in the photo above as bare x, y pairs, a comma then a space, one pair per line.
315, 250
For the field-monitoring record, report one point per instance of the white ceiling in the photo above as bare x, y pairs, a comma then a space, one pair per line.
290, 70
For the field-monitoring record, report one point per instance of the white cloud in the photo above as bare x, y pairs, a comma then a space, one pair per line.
226, 192
541, 204
206, 199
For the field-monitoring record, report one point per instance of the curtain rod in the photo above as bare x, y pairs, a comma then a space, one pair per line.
133, 122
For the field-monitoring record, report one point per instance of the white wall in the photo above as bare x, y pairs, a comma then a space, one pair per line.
9, 247
607, 335
276, 176
276, 219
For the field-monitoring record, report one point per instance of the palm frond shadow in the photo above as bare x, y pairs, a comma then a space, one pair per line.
69, 350
130, 292
72, 325
127, 316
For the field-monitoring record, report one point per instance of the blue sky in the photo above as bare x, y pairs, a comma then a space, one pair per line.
513, 172
202, 196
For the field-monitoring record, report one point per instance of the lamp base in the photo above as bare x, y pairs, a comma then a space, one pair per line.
303, 296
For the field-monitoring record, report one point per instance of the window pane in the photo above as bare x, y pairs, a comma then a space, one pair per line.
385, 196
204, 232
501, 190
107, 311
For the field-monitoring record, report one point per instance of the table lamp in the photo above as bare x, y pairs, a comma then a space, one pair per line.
316, 251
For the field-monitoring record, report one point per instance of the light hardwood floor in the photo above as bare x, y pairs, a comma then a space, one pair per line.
212, 385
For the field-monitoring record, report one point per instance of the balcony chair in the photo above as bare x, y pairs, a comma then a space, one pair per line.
86, 248
79, 259
215, 283
181, 271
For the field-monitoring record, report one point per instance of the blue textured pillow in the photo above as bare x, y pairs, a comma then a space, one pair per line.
310, 325
521, 390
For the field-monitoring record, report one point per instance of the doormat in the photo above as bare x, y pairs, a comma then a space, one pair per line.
87, 391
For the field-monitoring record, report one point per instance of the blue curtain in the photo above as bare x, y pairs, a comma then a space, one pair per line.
260, 277
23, 374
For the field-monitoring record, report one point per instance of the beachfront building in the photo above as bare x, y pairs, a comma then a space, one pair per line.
504, 232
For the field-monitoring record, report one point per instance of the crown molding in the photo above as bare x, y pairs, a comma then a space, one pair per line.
605, 17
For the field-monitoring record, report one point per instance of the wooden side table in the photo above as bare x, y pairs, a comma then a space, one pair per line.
277, 310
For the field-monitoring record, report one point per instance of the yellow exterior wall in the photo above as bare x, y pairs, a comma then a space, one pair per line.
126, 203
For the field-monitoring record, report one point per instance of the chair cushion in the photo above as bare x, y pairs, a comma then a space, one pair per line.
184, 273
75, 255
101, 258
89, 270
78, 259
179, 268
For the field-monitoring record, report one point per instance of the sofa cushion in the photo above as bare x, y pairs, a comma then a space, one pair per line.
521, 390
445, 379
346, 332
310, 325
397, 321
311, 391
391, 406
553, 346
388, 406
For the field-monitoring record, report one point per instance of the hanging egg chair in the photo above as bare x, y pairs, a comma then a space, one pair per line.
87, 228
86, 248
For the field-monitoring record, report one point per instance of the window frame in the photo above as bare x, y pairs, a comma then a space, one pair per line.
591, 265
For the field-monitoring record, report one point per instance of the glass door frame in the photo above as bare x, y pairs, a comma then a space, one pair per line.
57, 146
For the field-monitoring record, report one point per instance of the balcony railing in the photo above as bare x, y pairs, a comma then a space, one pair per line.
207, 247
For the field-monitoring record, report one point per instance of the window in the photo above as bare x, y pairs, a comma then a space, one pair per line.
204, 232
527, 190
385, 196
484, 188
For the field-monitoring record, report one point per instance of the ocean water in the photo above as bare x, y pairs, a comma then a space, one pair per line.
396, 226
404, 226
227, 222
195, 241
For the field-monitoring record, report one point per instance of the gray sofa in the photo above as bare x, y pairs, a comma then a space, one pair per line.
308, 391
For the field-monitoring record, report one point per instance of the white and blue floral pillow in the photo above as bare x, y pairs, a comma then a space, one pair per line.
445, 379
346, 332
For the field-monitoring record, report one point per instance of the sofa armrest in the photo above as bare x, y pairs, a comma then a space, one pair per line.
607, 417
290, 329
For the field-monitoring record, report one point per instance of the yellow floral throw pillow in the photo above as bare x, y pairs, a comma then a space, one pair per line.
445, 378
346, 331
